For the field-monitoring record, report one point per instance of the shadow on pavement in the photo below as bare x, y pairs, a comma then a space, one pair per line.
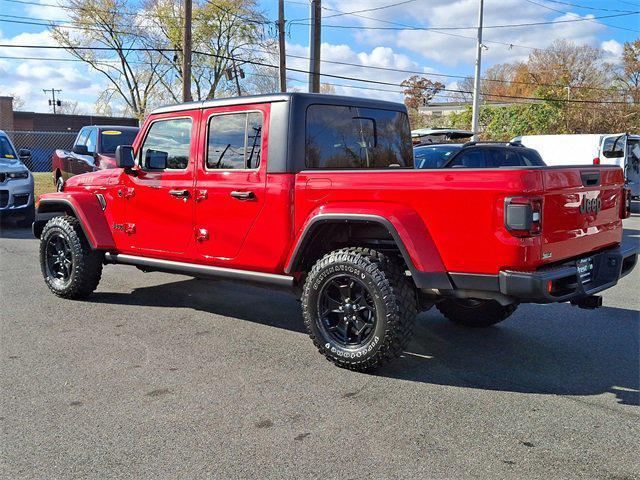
555, 349
17, 233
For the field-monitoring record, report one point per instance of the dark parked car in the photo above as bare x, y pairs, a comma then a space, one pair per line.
475, 155
94, 149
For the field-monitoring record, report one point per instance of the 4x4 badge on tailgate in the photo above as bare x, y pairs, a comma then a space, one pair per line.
593, 205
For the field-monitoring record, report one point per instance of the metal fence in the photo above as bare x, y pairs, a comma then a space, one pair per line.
42, 146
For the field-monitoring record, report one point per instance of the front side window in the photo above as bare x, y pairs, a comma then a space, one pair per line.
81, 139
92, 139
357, 138
235, 141
167, 145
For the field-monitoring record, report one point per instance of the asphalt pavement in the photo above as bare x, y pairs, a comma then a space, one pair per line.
164, 376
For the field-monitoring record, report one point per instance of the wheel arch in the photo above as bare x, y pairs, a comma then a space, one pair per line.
85, 207
320, 229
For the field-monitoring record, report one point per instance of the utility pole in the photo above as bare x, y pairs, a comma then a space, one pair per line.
186, 53
53, 102
281, 45
314, 46
476, 83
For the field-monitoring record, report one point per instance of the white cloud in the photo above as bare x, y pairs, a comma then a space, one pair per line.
383, 57
35, 69
457, 47
47, 12
612, 51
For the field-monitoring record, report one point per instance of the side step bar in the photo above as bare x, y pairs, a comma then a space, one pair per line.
200, 270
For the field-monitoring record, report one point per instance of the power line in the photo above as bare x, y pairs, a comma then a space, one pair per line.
298, 70
585, 7
576, 15
505, 26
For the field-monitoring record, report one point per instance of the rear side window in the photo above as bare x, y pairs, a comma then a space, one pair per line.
357, 138
235, 141
532, 158
169, 139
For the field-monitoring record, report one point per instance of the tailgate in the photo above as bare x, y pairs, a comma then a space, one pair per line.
581, 210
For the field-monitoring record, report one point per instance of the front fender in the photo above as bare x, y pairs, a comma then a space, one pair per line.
86, 207
405, 226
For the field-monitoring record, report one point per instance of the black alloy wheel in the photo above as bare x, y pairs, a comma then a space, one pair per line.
347, 310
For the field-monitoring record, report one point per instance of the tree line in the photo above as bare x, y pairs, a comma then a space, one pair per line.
565, 88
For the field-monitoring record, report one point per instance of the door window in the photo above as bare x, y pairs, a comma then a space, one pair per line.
92, 140
167, 144
235, 141
81, 139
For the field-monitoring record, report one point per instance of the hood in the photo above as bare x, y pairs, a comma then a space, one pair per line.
11, 165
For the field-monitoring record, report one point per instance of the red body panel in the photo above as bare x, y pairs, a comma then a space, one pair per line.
449, 220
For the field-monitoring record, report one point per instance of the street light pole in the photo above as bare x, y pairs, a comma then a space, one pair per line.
476, 83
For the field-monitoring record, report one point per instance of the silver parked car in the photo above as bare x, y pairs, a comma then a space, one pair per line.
16, 184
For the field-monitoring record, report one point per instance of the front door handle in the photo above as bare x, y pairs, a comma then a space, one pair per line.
179, 193
243, 195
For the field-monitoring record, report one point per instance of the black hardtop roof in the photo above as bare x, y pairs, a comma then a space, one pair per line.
282, 97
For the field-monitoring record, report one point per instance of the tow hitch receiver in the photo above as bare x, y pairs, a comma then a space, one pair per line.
591, 302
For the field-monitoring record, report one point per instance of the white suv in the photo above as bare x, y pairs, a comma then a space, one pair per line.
16, 184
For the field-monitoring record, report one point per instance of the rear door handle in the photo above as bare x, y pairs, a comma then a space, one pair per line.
179, 193
243, 195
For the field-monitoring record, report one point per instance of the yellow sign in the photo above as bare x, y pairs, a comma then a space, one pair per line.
111, 132
8, 155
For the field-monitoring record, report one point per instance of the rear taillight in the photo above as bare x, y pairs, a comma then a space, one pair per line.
626, 203
596, 161
523, 216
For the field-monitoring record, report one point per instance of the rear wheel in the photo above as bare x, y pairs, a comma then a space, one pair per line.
71, 268
358, 308
475, 312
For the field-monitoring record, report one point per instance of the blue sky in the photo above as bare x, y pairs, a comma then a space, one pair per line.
449, 52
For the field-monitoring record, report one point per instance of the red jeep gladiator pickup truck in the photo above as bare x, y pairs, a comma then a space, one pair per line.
318, 194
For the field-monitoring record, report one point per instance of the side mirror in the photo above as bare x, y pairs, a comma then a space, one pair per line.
80, 150
124, 156
24, 155
156, 159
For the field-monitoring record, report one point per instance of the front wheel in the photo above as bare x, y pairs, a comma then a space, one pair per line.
358, 307
475, 312
71, 268
59, 184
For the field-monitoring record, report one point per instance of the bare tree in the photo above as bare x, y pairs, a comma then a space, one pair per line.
227, 37
111, 38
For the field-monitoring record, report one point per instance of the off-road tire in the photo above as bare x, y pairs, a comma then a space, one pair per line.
388, 287
86, 263
482, 314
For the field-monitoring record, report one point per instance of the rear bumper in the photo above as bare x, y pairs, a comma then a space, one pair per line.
561, 283
564, 283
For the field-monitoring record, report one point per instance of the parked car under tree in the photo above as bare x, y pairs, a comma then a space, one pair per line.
93, 149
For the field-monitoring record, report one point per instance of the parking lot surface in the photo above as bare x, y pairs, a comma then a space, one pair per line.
164, 376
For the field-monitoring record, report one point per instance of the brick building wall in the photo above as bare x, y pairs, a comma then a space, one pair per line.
11, 120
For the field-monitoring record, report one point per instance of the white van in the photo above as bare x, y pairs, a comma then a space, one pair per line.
620, 149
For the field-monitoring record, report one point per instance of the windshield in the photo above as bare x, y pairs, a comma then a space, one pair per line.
434, 156
6, 150
110, 139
